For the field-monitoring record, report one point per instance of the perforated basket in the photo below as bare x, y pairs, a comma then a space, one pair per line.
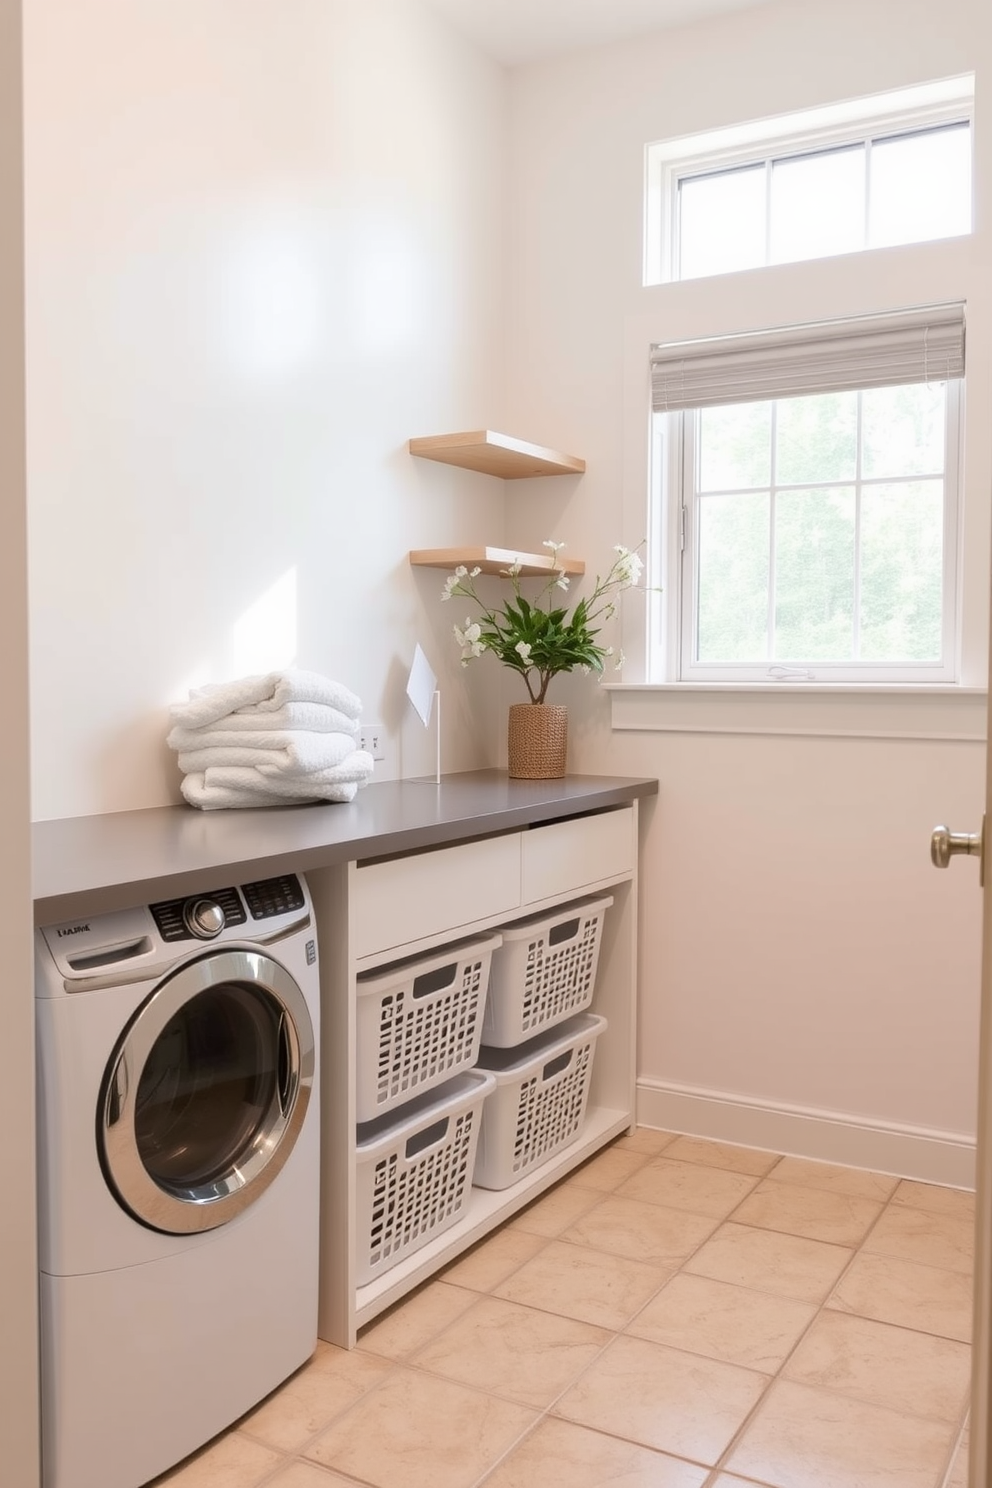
419, 1022
539, 1104
414, 1172
544, 971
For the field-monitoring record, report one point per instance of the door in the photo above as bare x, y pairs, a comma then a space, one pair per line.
206, 1092
944, 846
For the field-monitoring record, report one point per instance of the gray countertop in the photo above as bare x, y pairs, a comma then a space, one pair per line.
90, 864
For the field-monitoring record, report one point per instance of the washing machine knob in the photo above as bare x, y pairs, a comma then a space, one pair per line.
203, 918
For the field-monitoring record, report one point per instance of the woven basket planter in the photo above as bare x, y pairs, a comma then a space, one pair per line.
537, 741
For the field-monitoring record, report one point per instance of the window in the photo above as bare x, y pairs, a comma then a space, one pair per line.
814, 472
815, 185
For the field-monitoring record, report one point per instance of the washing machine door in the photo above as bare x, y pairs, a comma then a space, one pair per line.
206, 1092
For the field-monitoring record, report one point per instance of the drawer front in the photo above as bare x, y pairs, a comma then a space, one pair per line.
431, 893
567, 855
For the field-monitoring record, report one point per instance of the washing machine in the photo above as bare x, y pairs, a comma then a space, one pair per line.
178, 1173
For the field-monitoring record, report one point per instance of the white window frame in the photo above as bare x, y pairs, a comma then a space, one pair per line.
669, 162
672, 626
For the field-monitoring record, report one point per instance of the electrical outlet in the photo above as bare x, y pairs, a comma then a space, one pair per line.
373, 740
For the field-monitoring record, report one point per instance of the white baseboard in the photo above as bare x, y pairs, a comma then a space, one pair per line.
911, 1152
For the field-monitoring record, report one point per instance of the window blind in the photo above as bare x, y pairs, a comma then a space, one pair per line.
919, 345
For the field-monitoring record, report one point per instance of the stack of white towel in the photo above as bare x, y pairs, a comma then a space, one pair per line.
260, 741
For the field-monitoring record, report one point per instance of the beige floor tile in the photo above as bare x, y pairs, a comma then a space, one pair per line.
663, 1398
858, 1182
641, 1232
812, 1213
725, 1322
911, 1372
943, 1240
562, 1455
232, 1461
607, 1170
421, 1432
409, 1324
493, 1260
311, 1399
555, 1211
784, 1265
692, 1186
722, 1155
513, 1351
889, 1290
308, 1475
958, 1475
936, 1199
579, 1283
805, 1438
645, 1139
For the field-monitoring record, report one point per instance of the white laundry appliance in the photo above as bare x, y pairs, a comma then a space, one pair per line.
178, 1173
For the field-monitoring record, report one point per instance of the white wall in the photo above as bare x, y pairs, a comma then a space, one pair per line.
800, 957
263, 251
18, 1271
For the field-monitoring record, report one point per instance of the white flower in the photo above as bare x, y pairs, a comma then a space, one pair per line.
562, 581
460, 571
618, 664
475, 572
514, 569
523, 649
450, 585
555, 547
628, 567
469, 639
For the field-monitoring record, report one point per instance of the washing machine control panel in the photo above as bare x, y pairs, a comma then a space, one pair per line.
192, 918
204, 916
273, 896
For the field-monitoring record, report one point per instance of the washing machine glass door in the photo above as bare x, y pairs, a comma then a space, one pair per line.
206, 1092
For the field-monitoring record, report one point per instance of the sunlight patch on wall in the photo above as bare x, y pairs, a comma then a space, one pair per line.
264, 639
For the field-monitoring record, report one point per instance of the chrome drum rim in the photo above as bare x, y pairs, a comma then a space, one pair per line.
187, 1208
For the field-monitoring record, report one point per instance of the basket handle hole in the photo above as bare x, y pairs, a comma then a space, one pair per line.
565, 931
434, 981
426, 1138
555, 1066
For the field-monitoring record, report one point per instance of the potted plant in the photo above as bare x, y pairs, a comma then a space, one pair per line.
538, 639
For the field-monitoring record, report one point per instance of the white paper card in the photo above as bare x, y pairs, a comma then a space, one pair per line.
422, 685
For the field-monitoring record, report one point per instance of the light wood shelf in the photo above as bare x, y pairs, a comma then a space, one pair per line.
496, 561
496, 454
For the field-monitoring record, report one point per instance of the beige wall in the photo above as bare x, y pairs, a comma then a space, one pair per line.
806, 978
264, 249
18, 1290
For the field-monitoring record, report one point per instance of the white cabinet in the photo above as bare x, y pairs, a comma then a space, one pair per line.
370, 914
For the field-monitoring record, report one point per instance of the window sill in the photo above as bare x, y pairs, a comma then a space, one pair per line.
819, 710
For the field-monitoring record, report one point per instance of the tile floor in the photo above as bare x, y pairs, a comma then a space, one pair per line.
678, 1313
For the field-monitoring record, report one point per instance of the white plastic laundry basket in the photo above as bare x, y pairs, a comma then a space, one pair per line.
414, 1171
544, 971
539, 1104
419, 1022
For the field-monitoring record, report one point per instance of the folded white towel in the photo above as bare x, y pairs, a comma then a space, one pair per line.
241, 785
315, 718
283, 751
217, 797
263, 695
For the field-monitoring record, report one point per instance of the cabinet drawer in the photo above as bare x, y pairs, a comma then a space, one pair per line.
567, 855
430, 893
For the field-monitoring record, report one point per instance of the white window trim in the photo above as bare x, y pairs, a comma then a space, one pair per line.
927, 272
676, 658
947, 714
667, 161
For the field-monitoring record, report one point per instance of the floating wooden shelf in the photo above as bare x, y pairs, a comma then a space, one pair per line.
495, 560
496, 454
